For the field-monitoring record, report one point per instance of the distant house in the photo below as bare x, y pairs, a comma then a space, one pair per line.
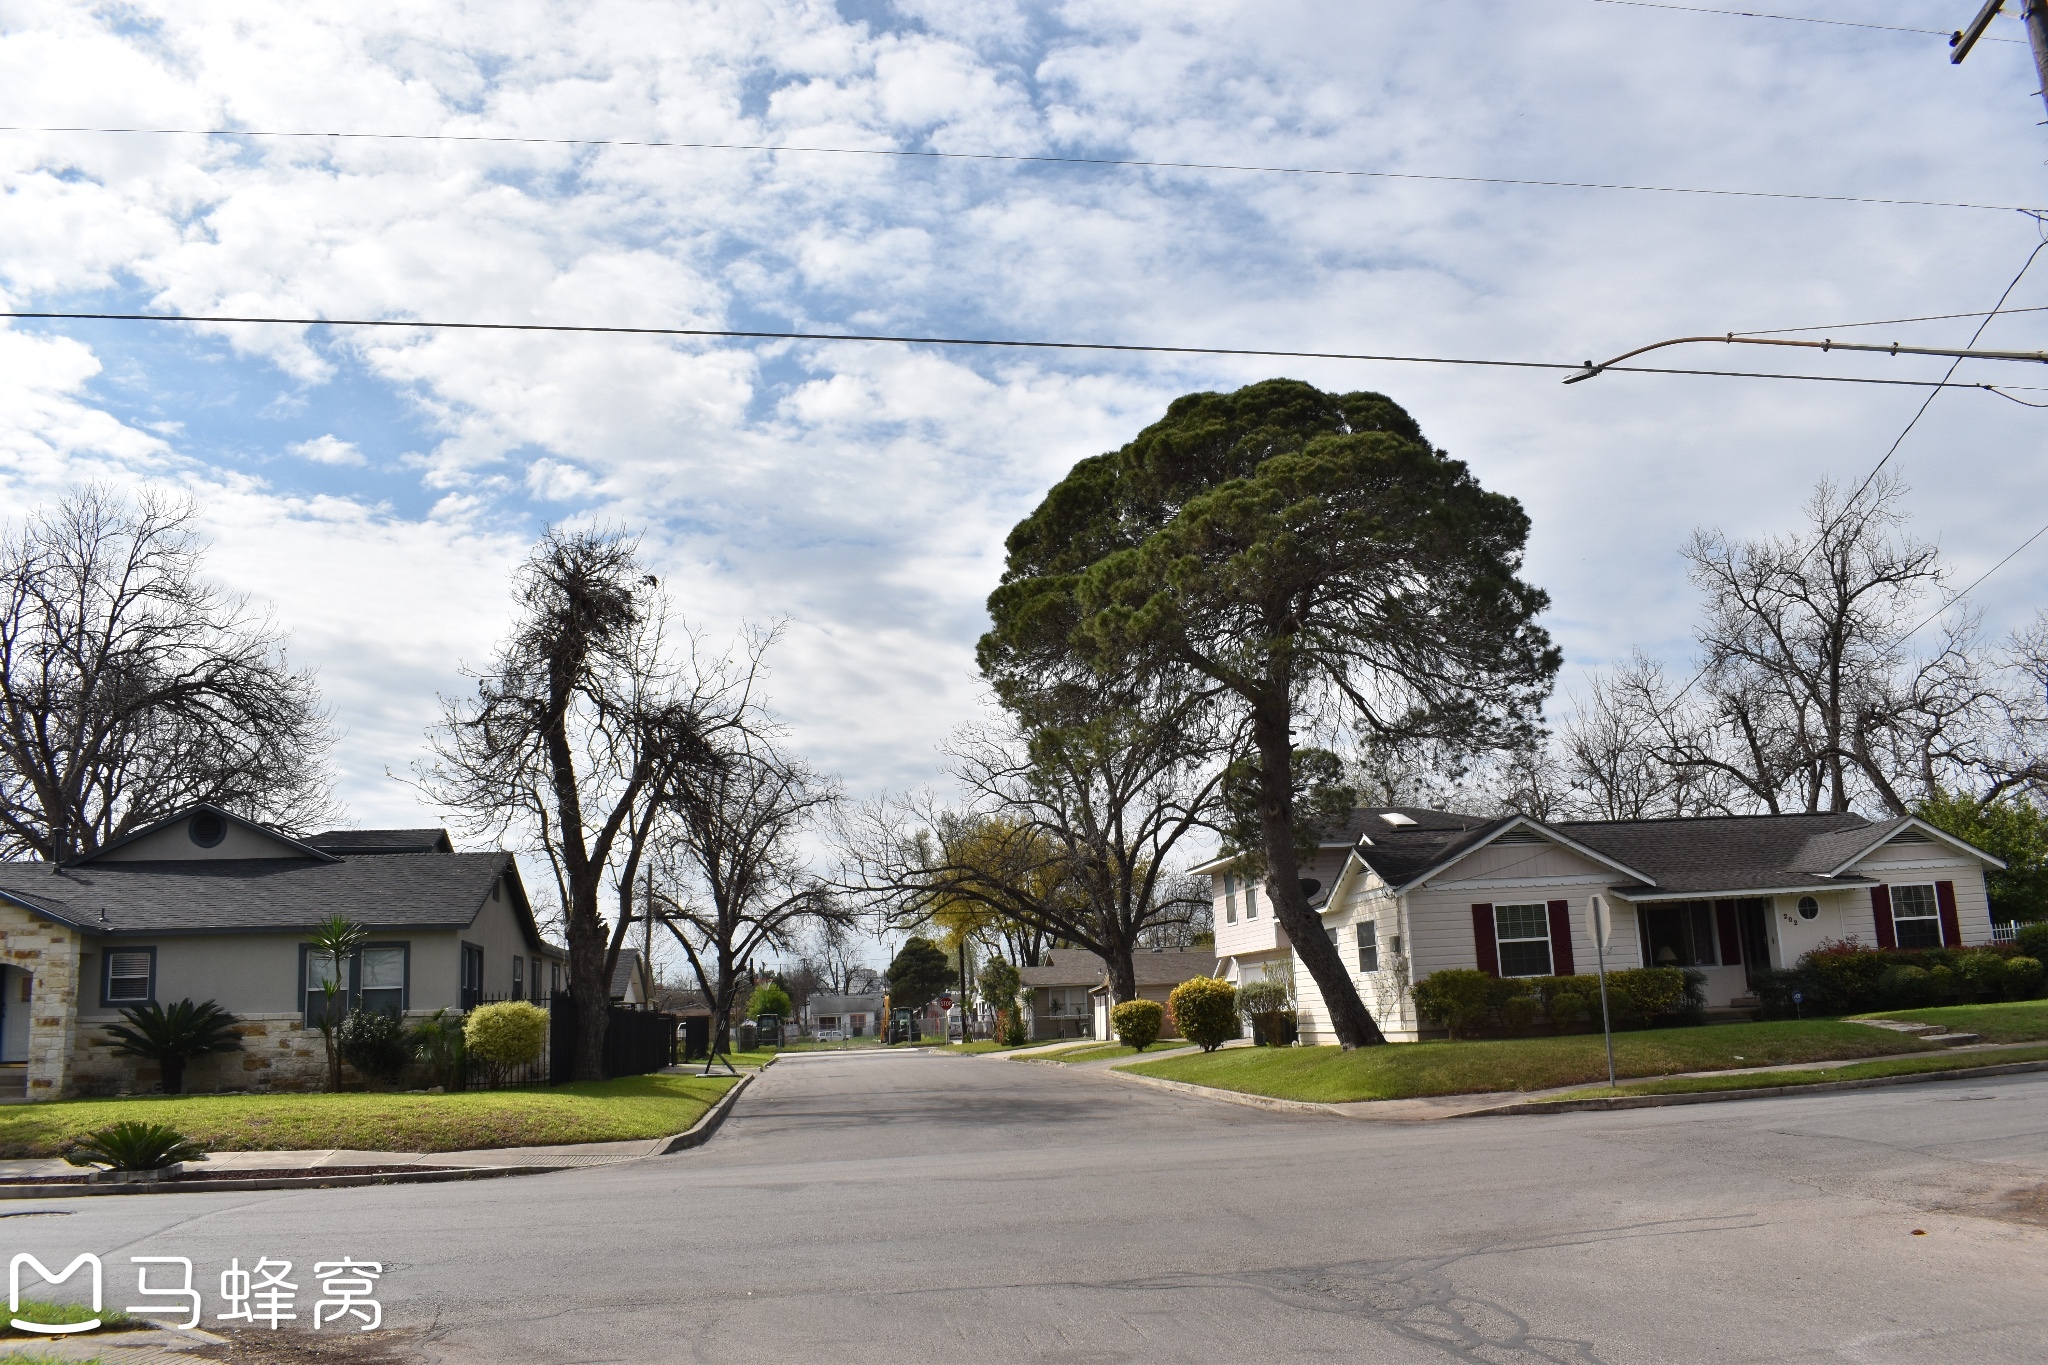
1158, 972
1056, 994
208, 905
1404, 892
632, 980
857, 1016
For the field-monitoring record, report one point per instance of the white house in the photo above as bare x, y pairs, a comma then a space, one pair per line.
1407, 892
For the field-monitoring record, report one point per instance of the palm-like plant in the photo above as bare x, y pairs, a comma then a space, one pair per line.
170, 1037
335, 940
134, 1145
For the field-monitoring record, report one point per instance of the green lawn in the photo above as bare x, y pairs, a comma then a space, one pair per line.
1409, 1070
590, 1111
57, 1314
1897, 1066
1102, 1052
2021, 1021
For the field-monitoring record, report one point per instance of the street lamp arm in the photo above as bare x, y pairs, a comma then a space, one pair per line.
1894, 348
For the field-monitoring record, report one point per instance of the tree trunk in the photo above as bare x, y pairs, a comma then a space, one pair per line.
588, 986
1123, 973
1353, 1024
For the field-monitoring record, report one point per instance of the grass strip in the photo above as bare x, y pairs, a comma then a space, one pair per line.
1771, 1080
1100, 1052
1329, 1075
587, 1111
58, 1315
2020, 1021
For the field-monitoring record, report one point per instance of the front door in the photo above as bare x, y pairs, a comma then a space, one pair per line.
1753, 915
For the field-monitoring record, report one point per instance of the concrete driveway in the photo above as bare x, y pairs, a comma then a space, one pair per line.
889, 1208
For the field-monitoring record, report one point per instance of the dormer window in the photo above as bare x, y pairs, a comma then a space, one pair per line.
207, 829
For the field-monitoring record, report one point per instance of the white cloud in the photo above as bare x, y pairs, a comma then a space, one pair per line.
328, 449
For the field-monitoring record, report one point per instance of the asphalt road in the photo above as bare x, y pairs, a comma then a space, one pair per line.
900, 1209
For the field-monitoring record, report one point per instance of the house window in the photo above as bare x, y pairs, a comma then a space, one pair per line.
1809, 908
1251, 900
316, 969
1680, 934
1916, 917
472, 976
1229, 899
1522, 933
131, 977
1368, 946
381, 978
554, 977
518, 978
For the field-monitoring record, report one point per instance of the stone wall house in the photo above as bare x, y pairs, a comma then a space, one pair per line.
208, 906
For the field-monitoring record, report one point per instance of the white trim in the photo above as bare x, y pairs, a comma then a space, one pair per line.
1941, 836
1485, 883
1524, 822
1742, 893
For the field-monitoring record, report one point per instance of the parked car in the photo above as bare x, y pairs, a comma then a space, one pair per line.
831, 1035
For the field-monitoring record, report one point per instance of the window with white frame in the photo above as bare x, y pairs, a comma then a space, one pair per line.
518, 978
1229, 899
1916, 917
1251, 900
1368, 946
131, 976
1522, 934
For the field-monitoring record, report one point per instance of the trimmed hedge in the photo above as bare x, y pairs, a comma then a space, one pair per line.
1205, 1009
1468, 1002
1847, 978
1137, 1022
509, 1033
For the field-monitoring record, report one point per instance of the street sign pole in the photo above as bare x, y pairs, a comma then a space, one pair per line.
1602, 923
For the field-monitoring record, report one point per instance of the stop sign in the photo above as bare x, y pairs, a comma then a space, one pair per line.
945, 1002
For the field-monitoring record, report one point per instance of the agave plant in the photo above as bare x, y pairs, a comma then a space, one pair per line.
171, 1037
134, 1145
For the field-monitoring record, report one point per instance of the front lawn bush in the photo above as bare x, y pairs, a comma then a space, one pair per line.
375, 1043
1269, 1003
1137, 1022
1468, 1002
1205, 1007
134, 1146
1642, 995
508, 1034
2022, 978
2032, 941
1457, 998
171, 1037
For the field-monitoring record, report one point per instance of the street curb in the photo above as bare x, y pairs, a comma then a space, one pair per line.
700, 1132
1208, 1092
1758, 1093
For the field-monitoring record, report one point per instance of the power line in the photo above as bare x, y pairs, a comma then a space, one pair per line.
987, 342
1790, 18
1890, 322
1021, 158
1978, 583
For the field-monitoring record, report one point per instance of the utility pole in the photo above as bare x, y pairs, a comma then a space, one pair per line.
2033, 12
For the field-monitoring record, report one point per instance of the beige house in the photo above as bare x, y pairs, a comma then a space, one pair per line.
209, 906
1158, 971
1406, 892
1057, 1000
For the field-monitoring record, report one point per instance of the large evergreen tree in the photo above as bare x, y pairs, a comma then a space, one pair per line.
1284, 553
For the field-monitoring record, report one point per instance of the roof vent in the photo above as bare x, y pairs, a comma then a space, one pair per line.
1396, 819
1910, 835
207, 829
1521, 836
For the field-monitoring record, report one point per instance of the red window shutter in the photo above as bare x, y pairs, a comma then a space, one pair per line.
1561, 938
1951, 929
1881, 912
1483, 945
1731, 933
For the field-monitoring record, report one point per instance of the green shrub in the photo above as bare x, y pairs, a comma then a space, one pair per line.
437, 1041
375, 1043
1840, 977
1136, 1022
2032, 941
1904, 987
1520, 1011
1979, 974
1205, 1011
2022, 977
1641, 995
133, 1145
1458, 998
1566, 1007
1269, 1003
511, 1033
769, 998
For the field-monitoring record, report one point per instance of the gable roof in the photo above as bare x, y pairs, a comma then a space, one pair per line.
1168, 967
213, 896
298, 846
623, 972
1064, 967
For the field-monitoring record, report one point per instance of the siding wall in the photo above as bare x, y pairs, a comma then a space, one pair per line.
1898, 864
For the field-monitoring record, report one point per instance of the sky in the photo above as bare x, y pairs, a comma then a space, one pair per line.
375, 489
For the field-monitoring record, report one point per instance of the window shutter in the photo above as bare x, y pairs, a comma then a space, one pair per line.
1731, 933
1561, 938
1951, 929
1881, 913
1483, 945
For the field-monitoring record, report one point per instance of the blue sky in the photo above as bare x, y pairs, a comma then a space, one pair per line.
375, 490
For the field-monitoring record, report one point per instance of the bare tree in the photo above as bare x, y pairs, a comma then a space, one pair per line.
131, 687
584, 724
1074, 828
733, 881
832, 954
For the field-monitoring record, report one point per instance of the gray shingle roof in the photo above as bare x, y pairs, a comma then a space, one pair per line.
1731, 853
352, 841
1064, 967
623, 970
388, 891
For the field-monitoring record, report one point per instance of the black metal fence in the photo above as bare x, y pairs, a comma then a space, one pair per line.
635, 1041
